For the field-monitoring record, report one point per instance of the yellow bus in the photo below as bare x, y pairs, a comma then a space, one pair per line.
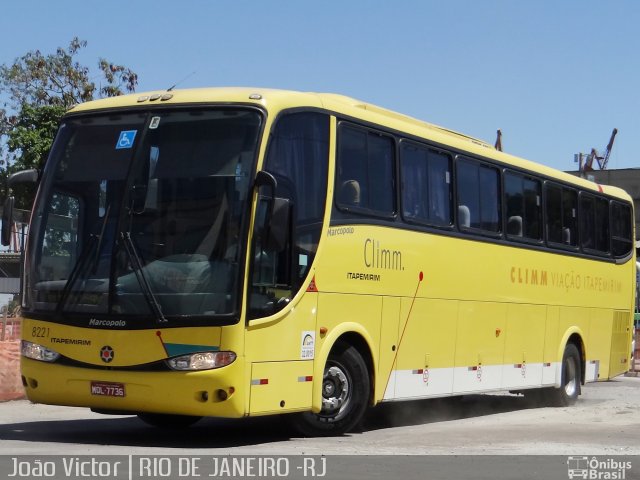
242, 252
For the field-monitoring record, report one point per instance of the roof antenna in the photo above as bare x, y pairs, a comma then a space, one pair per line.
178, 83
498, 144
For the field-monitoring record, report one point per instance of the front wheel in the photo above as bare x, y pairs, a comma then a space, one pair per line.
569, 389
345, 395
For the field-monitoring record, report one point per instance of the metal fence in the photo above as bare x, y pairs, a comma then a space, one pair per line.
10, 328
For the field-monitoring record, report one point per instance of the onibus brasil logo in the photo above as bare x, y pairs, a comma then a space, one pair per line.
597, 469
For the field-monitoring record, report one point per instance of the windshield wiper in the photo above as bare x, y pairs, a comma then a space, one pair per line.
79, 267
94, 243
96, 257
132, 253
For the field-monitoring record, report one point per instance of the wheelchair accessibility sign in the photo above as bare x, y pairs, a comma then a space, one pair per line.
126, 139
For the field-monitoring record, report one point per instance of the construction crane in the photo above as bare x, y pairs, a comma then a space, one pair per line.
595, 155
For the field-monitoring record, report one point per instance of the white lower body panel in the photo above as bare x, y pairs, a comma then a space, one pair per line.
439, 382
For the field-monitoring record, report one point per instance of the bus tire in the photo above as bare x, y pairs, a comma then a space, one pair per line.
162, 420
345, 395
569, 389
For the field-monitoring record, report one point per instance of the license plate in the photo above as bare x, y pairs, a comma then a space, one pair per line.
107, 389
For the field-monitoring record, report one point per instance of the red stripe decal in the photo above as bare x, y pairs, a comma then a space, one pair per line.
406, 322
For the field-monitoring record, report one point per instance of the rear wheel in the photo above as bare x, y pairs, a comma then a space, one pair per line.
345, 395
569, 389
162, 420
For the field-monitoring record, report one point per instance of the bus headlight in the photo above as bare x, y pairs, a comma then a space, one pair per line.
201, 361
38, 352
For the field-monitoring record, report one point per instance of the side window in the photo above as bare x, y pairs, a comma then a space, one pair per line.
523, 206
478, 187
426, 185
621, 229
298, 158
594, 223
59, 248
365, 172
570, 215
602, 225
562, 210
587, 223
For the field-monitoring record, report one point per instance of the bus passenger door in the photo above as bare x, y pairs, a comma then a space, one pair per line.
281, 353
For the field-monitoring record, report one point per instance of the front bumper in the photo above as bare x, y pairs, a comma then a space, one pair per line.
219, 392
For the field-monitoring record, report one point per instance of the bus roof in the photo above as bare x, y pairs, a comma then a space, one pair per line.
276, 100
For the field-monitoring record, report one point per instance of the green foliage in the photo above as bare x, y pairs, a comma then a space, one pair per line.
57, 79
13, 308
37, 89
29, 141
57, 240
33, 132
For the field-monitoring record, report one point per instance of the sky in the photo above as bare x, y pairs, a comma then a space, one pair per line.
555, 76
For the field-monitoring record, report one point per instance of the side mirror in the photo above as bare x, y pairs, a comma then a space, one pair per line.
24, 176
265, 179
7, 221
274, 214
138, 199
279, 226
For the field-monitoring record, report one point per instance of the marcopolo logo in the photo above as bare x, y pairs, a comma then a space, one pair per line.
94, 322
597, 469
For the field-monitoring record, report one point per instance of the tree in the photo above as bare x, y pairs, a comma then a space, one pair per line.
37, 89
29, 142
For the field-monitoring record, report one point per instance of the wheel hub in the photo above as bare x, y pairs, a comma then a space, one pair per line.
571, 377
335, 390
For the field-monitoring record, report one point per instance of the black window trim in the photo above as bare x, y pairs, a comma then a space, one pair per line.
631, 241
594, 251
550, 243
417, 221
479, 231
368, 212
397, 221
516, 238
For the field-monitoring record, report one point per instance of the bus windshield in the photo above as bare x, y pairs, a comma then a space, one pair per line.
141, 214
